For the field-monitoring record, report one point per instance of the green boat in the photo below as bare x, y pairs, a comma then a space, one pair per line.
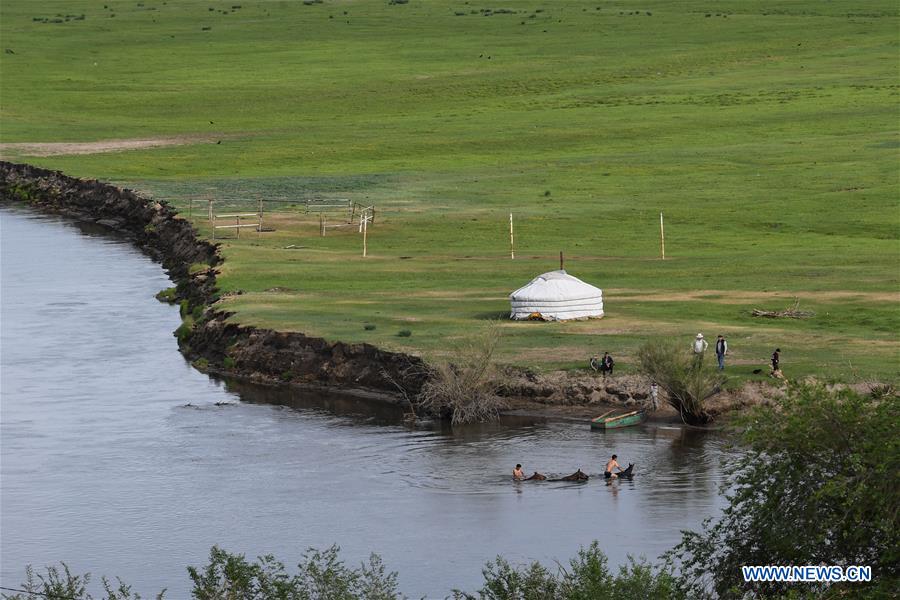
635, 417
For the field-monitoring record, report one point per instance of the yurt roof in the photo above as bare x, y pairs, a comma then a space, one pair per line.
555, 286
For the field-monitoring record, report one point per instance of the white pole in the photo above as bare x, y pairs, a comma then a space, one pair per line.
365, 236
512, 247
662, 237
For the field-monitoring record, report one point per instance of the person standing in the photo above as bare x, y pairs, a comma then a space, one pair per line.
654, 396
699, 347
721, 351
776, 360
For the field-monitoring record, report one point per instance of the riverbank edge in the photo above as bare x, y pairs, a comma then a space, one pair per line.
217, 345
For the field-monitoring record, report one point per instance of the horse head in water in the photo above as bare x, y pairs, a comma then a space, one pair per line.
576, 476
536, 477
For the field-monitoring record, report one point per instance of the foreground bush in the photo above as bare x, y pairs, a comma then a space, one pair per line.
321, 575
686, 379
818, 484
586, 578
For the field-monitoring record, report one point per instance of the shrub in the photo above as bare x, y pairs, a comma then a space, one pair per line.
184, 330
404, 333
229, 363
201, 364
369, 327
321, 574
167, 295
465, 389
688, 382
61, 583
587, 577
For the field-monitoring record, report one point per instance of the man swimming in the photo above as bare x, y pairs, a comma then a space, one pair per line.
518, 475
610, 465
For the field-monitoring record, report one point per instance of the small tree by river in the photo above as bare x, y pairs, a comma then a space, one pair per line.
465, 387
688, 381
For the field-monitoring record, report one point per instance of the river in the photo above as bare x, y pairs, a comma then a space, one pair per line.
120, 459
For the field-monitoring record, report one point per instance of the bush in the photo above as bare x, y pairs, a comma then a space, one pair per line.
62, 584
465, 389
369, 327
688, 382
201, 364
320, 575
184, 330
586, 578
404, 333
229, 363
167, 295
818, 484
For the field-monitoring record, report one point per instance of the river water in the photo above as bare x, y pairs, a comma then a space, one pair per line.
120, 459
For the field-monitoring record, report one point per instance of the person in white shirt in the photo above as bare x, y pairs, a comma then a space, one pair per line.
700, 345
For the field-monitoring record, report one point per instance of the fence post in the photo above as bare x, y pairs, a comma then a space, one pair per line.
238, 225
662, 237
365, 237
512, 247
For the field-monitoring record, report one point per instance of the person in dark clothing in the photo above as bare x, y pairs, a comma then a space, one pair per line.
776, 359
607, 364
721, 351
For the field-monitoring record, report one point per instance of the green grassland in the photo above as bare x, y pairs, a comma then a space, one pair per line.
767, 132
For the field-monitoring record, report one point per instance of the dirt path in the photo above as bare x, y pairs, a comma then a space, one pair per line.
70, 148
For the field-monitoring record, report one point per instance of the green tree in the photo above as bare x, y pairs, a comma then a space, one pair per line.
818, 483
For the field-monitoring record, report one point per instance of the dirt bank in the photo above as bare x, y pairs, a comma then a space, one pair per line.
217, 345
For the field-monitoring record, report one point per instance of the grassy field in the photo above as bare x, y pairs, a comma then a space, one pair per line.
767, 132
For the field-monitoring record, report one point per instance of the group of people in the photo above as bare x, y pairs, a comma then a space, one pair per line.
700, 345
608, 473
605, 364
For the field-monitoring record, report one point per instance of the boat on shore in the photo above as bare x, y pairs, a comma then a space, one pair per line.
635, 417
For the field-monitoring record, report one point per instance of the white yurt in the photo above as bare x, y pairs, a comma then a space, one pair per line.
556, 296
